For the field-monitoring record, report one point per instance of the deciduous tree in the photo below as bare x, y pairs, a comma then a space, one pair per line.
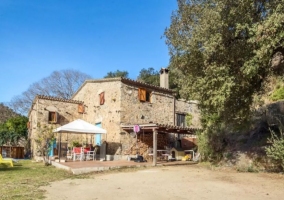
61, 84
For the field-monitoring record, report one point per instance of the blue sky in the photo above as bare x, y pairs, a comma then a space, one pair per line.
94, 37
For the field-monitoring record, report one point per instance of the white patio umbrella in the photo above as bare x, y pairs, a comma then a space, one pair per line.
78, 126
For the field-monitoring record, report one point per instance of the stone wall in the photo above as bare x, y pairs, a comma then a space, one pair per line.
38, 117
108, 114
159, 110
123, 106
191, 107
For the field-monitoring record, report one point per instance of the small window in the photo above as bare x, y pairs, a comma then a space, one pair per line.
180, 121
52, 117
102, 98
144, 95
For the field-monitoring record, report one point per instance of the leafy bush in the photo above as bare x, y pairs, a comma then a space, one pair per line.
188, 119
278, 94
276, 150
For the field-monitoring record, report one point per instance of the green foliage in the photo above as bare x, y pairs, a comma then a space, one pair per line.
18, 125
117, 73
150, 76
251, 169
13, 130
76, 144
188, 119
222, 50
277, 94
276, 150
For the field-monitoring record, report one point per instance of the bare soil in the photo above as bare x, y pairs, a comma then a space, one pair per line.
173, 182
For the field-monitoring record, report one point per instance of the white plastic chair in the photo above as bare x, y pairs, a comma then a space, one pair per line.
91, 155
78, 155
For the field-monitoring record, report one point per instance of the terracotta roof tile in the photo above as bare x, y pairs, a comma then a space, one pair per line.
59, 99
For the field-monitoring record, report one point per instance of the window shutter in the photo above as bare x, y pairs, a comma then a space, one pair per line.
81, 108
56, 117
28, 125
142, 94
102, 98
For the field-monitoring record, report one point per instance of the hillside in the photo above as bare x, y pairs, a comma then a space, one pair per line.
6, 113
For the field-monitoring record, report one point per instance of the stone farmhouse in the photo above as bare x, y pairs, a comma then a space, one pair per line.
117, 104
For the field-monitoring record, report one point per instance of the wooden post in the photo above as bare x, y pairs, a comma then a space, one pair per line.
155, 132
59, 147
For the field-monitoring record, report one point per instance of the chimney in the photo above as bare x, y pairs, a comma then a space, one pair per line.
164, 78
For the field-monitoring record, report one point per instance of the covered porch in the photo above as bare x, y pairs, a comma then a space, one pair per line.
157, 132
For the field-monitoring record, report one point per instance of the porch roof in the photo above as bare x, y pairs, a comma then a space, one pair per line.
165, 128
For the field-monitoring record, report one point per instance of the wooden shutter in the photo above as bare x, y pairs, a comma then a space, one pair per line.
81, 108
142, 94
28, 125
102, 98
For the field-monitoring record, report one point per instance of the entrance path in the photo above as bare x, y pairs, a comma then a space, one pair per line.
170, 182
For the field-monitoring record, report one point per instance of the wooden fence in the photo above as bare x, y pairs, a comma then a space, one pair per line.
12, 152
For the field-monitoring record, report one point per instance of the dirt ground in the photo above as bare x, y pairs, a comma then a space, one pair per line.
173, 182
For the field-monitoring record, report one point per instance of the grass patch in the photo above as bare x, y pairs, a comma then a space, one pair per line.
24, 179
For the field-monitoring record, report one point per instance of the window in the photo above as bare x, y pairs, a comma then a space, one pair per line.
144, 95
102, 98
52, 117
180, 121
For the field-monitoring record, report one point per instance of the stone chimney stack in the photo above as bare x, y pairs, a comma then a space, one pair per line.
164, 78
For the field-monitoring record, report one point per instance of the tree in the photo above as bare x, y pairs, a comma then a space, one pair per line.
6, 113
117, 73
223, 50
150, 76
13, 130
61, 84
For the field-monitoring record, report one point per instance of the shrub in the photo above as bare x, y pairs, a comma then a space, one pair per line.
276, 150
278, 94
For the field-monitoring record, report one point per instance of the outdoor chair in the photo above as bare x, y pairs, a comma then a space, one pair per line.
6, 161
91, 155
78, 153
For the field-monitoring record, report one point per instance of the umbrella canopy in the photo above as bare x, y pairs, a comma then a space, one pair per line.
80, 126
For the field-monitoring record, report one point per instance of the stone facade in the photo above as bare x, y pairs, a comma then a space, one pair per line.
39, 114
112, 102
189, 107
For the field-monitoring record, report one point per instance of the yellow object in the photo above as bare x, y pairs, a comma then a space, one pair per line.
9, 161
186, 158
